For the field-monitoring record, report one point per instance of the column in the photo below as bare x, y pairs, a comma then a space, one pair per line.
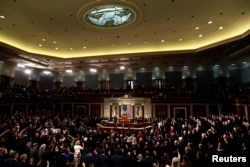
219, 109
191, 110
246, 110
169, 113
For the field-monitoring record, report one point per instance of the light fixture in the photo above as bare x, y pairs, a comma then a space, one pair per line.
46, 72
21, 65
92, 70
27, 71
110, 16
68, 71
210, 22
221, 27
2, 17
200, 35
197, 28
122, 67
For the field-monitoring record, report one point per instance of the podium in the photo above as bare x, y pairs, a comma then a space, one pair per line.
124, 119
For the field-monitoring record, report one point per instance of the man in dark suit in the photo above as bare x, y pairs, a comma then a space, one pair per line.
103, 160
148, 161
116, 159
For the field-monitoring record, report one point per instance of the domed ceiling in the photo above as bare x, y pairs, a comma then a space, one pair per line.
108, 33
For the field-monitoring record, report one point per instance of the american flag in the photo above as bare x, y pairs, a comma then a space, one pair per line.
127, 110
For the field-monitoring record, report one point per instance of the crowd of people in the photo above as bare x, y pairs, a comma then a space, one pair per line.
47, 140
194, 91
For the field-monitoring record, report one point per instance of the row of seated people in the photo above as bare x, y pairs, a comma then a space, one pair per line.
167, 92
66, 141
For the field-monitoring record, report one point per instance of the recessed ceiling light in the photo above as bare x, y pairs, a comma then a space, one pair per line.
162, 40
2, 17
200, 35
122, 67
43, 39
56, 48
129, 43
180, 39
145, 42
84, 47
221, 27
71, 48
113, 45
210, 22
197, 28
40, 45
54, 41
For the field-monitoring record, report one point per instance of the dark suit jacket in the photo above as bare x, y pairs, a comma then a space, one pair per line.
117, 160
103, 160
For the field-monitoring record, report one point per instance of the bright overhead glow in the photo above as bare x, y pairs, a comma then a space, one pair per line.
2, 17
122, 67
200, 36
27, 71
92, 70
47, 72
68, 71
210, 22
221, 27
21, 65
162, 40
197, 28
40, 45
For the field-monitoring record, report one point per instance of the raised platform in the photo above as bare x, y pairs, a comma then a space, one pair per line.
124, 127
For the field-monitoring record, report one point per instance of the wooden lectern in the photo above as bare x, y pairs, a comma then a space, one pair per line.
124, 119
